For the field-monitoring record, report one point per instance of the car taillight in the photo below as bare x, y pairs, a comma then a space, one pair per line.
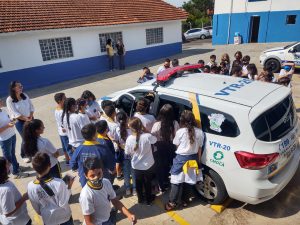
255, 161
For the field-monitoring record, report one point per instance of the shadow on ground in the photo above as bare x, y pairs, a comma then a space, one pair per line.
98, 77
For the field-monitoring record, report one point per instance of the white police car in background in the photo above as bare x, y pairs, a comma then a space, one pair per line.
251, 149
274, 57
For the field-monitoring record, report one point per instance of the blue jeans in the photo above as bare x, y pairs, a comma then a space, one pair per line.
65, 145
121, 62
111, 65
9, 152
127, 170
19, 126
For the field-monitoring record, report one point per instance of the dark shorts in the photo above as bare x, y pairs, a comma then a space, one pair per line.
119, 156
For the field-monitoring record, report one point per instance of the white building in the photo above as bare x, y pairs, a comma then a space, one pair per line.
45, 42
256, 20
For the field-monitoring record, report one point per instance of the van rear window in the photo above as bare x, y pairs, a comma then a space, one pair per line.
276, 122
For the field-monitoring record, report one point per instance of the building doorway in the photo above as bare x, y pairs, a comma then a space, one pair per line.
254, 29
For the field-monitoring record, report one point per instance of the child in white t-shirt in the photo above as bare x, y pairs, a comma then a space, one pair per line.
97, 195
93, 109
164, 130
60, 99
141, 112
13, 209
109, 116
123, 132
185, 169
33, 143
50, 196
139, 147
73, 123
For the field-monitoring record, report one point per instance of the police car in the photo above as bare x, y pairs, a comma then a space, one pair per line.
251, 149
274, 57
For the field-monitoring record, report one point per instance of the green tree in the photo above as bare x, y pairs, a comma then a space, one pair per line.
197, 10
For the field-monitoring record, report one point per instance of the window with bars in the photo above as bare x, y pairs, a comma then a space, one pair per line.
115, 36
291, 19
154, 36
56, 48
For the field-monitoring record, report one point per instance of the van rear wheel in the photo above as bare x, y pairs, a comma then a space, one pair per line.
212, 188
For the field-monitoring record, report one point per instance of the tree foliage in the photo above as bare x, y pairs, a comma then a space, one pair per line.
197, 10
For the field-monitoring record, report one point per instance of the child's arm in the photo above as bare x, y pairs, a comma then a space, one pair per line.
88, 220
119, 205
18, 204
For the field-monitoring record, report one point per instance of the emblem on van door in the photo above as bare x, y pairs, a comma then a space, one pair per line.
288, 118
218, 156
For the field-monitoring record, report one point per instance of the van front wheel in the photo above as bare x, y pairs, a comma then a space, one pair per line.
212, 188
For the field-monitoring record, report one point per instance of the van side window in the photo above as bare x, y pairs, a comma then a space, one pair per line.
179, 105
218, 123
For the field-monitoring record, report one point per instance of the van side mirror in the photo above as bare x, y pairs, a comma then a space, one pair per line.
292, 50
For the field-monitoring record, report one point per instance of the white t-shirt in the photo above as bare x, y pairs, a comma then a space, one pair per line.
210, 64
160, 69
4, 120
183, 142
93, 110
53, 210
22, 107
9, 195
112, 125
289, 74
44, 145
58, 113
156, 130
147, 120
119, 138
142, 158
97, 202
77, 122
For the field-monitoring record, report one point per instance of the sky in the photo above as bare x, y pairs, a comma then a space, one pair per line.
177, 3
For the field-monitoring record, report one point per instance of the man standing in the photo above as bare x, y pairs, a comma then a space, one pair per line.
121, 54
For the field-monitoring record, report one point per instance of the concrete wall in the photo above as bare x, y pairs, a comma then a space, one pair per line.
273, 14
21, 56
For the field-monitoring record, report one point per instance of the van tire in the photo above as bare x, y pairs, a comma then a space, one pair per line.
274, 64
202, 37
212, 180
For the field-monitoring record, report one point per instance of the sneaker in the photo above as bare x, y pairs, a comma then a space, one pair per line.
128, 192
134, 192
27, 160
20, 175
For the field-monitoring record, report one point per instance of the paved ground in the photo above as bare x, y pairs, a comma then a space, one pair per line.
283, 209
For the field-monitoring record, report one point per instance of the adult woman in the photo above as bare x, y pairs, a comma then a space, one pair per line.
110, 54
164, 130
20, 108
121, 53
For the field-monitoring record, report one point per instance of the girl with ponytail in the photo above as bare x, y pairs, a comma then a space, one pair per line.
123, 132
139, 146
185, 169
73, 122
33, 143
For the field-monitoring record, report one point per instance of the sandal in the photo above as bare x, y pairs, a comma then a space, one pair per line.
170, 206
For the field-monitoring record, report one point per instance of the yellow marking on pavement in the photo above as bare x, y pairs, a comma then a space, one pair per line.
172, 214
221, 208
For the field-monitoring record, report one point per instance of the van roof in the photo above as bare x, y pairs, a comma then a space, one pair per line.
237, 90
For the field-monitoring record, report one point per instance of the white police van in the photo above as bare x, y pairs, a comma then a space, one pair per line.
274, 57
251, 149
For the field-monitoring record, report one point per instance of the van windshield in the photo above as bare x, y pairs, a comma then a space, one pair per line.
276, 122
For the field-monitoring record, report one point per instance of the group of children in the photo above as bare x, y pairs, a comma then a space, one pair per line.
240, 67
101, 146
